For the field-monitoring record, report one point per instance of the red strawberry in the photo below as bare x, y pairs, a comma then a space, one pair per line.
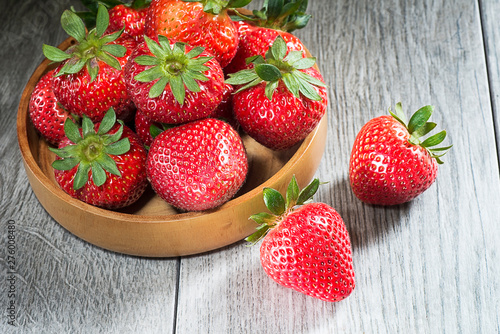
129, 17
146, 128
306, 248
205, 23
46, 114
173, 83
256, 42
389, 163
102, 164
278, 18
197, 166
89, 80
282, 99
224, 110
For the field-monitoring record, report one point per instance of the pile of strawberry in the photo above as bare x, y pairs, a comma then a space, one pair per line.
159, 92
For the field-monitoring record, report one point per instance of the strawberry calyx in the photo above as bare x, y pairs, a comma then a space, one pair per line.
91, 47
276, 67
418, 126
218, 6
284, 15
92, 149
174, 66
90, 16
280, 206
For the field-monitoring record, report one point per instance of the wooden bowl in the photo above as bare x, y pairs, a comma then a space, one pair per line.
151, 227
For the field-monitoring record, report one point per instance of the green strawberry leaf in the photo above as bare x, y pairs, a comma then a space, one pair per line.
398, 114
102, 20
98, 173
419, 118
107, 122
87, 127
264, 218
55, 54
155, 131
434, 140
115, 50
118, 148
262, 230
268, 72
274, 201
292, 193
72, 132
81, 175
65, 164
308, 192
109, 164
159, 86
73, 25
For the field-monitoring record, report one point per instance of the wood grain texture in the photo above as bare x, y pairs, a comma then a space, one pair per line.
64, 285
429, 266
490, 16
426, 267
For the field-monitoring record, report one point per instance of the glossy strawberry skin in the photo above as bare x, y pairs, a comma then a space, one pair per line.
283, 121
197, 166
81, 96
142, 128
46, 114
224, 110
384, 168
133, 20
310, 251
187, 22
117, 192
165, 108
256, 41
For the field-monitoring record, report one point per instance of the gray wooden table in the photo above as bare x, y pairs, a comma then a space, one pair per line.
430, 266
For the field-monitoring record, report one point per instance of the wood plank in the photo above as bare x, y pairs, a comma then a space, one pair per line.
490, 15
430, 266
63, 284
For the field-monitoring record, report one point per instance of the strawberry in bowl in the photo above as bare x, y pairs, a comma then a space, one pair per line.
103, 164
173, 83
198, 165
89, 79
281, 99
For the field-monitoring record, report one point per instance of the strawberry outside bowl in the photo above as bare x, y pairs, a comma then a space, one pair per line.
151, 227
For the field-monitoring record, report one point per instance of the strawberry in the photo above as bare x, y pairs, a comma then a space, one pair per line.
130, 17
46, 113
305, 246
281, 99
205, 23
198, 165
146, 129
173, 83
102, 164
257, 34
224, 110
89, 79
389, 162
